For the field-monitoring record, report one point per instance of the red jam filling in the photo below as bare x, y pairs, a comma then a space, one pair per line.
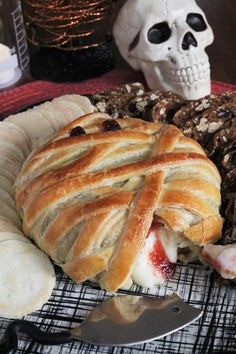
158, 256
155, 227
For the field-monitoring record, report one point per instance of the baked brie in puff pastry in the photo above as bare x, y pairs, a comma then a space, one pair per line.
112, 200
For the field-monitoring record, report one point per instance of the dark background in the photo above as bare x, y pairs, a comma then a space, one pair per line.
221, 15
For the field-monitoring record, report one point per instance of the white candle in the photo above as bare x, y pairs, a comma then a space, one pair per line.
8, 63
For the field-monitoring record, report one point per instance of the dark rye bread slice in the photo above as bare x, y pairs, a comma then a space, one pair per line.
212, 122
114, 102
132, 100
204, 118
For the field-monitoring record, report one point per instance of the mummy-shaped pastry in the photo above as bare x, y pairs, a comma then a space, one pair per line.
92, 194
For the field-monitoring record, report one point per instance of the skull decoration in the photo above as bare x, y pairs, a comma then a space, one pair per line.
166, 39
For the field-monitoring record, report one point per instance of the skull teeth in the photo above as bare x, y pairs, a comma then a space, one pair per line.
189, 74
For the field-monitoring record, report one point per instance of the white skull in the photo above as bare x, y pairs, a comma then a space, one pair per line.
166, 39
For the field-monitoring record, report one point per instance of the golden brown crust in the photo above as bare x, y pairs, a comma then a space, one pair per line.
89, 200
81, 269
205, 231
135, 231
34, 204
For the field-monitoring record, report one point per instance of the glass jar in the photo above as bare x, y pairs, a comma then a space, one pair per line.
69, 40
14, 57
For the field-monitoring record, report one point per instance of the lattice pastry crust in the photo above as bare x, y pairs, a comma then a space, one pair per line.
89, 200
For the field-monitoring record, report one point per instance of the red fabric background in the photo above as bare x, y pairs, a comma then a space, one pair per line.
16, 99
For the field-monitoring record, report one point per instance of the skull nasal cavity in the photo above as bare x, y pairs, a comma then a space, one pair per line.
188, 40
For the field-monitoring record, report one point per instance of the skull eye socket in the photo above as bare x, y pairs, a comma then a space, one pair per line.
196, 22
159, 33
134, 42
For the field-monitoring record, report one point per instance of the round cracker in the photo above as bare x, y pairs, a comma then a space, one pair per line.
52, 117
82, 101
71, 109
56, 112
10, 213
7, 186
35, 126
9, 168
11, 133
13, 150
9, 151
7, 225
7, 198
9, 175
8, 235
27, 279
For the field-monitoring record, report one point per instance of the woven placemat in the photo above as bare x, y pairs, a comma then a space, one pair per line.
19, 98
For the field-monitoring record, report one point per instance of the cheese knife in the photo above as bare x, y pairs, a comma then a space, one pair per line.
120, 320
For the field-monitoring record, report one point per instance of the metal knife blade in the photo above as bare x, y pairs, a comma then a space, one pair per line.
120, 320
128, 320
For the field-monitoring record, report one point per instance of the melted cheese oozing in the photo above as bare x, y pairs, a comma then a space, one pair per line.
155, 263
222, 258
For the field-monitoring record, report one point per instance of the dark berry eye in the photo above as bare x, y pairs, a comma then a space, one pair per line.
111, 125
77, 131
159, 33
196, 22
